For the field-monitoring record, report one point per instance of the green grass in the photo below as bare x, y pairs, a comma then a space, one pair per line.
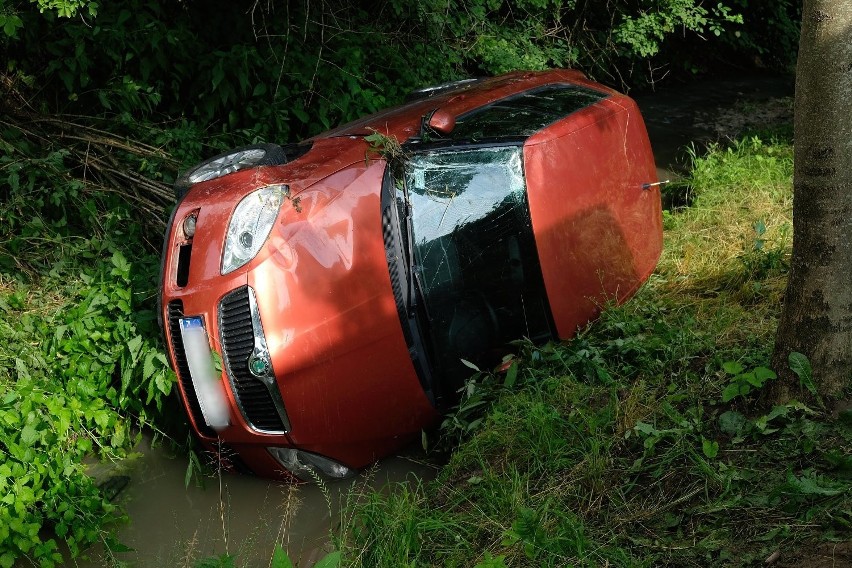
616, 449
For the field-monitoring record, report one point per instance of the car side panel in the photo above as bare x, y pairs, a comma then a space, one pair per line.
598, 230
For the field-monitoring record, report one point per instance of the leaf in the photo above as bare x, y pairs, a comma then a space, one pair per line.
217, 361
750, 379
21, 368
734, 390
732, 423
163, 383
763, 374
301, 115
813, 484
29, 435
330, 560
120, 263
134, 345
280, 559
732, 367
779, 410
800, 365
148, 368
645, 428
511, 375
470, 365
709, 447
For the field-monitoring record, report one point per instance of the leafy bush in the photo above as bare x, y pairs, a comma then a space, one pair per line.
83, 367
281, 73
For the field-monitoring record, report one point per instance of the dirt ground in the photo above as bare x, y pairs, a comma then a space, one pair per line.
826, 555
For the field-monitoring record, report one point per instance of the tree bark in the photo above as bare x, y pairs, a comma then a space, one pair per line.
816, 319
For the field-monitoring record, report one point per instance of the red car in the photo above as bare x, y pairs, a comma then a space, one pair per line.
318, 298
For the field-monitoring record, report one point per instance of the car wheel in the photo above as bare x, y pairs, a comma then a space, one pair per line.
229, 162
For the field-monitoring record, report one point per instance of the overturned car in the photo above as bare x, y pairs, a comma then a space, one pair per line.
318, 299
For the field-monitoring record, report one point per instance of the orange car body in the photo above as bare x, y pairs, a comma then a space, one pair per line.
323, 293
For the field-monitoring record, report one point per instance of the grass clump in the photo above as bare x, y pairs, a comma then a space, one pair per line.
642, 442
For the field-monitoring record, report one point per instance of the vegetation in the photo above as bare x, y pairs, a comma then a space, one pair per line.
81, 364
645, 441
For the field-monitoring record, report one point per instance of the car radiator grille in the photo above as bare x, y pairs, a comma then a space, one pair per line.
182, 369
251, 393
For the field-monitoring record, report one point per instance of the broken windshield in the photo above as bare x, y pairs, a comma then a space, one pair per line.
474, 253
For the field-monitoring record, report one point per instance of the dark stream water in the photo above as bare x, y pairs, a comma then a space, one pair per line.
174, 525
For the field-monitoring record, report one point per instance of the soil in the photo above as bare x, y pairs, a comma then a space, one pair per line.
823, 555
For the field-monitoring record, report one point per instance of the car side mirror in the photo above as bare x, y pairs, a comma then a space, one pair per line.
441, 121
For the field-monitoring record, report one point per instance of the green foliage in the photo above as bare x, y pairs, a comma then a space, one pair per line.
279, 559
743, 382
644, 33
101, 109
82, 365
284, 73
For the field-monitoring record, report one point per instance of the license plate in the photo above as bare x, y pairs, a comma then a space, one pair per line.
206, 381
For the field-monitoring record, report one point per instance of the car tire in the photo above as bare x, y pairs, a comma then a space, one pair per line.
260, 155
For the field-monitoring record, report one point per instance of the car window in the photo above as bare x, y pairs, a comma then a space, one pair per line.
475, 257
524, 114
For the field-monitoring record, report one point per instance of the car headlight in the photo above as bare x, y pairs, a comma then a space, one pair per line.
250, 225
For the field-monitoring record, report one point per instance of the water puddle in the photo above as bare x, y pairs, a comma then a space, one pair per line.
244, 516
708, 111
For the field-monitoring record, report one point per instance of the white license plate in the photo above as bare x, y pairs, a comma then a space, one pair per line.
206, 381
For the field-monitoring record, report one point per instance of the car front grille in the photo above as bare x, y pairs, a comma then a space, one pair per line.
182, 369
238, 343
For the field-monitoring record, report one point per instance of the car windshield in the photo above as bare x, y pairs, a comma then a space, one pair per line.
474, 254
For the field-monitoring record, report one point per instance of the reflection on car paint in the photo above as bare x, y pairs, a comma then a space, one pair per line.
524, 114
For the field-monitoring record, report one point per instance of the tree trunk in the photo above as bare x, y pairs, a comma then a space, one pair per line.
817, 316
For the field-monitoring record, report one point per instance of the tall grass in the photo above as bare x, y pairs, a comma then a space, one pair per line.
640, 442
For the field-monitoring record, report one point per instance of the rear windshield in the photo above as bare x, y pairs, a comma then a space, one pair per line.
524, 114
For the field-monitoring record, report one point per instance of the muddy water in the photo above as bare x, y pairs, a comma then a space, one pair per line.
175, 525
172, 525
